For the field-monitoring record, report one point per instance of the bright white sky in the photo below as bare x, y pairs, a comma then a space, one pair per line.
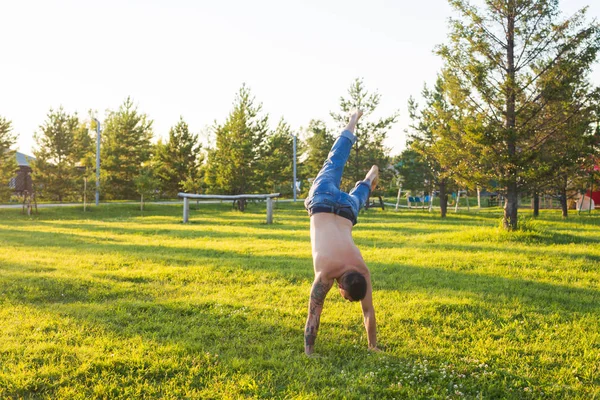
189, 58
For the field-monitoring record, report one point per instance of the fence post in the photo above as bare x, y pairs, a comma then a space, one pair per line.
186, 209
269, 210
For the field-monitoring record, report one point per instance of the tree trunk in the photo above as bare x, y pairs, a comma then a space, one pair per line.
563, 202
536, 204
511, 207
443, 199
142, 203
241, 203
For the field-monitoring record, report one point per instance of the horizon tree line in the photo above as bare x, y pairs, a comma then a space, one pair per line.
512, 110
246, 156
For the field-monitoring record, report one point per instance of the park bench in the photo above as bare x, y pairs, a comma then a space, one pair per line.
373, 203
187, 196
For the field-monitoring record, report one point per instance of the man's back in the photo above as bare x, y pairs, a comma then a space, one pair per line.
333, 249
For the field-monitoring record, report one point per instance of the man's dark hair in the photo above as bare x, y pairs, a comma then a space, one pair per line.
355, 285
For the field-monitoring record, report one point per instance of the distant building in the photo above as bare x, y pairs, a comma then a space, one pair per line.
22, 181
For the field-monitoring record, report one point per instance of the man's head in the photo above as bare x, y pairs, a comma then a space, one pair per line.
353, 286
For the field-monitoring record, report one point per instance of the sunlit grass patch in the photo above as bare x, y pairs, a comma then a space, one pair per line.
118, 303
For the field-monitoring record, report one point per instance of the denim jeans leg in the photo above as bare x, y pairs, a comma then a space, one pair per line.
333, 168
361, 193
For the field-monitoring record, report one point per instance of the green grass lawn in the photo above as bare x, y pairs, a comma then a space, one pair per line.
116, 303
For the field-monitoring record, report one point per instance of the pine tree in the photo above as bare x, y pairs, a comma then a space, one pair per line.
8, 163
561, 166
413, 170
276, 163
57, 155
177, 160
318, 145
146, 184
125, 147
194, 182
495, 68
232, 166
430, 126
369, 148
567, 143
85, 145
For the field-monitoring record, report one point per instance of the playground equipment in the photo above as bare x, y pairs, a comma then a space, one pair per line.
415, 201
398, 198
464, 193
586, 202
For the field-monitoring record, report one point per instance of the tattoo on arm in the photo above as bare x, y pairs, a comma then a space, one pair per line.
317, 299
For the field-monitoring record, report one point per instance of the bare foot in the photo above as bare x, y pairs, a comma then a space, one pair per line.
373, 176
356, 114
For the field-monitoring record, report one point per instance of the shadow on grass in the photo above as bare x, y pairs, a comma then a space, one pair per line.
248, 341
251, 340
197, 230
544, 297
541, 297
26, 284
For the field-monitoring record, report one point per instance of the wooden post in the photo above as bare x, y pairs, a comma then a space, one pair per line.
186, 209
269, 210
478, 197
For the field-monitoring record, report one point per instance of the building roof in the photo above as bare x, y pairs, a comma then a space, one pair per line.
24, 160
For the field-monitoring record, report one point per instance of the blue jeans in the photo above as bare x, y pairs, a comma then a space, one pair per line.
325, 194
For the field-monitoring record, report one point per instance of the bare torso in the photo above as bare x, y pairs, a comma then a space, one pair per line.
333, 249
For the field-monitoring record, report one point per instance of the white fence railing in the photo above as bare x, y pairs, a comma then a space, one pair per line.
187, 196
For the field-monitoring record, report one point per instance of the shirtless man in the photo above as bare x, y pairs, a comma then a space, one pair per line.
333, 213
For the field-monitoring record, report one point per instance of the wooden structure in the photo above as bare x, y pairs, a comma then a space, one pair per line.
187, 196
22, 182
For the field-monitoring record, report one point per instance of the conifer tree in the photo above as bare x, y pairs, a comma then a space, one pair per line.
232, 166
176, 161
276, 163
57, 155
369, 148
125, 147
318, 145
146, 184
429, 127
496, 65
8, 163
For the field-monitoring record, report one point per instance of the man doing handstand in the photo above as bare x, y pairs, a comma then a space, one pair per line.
333, 213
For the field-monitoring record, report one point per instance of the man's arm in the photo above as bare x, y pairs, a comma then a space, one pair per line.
369, 317
318, 292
